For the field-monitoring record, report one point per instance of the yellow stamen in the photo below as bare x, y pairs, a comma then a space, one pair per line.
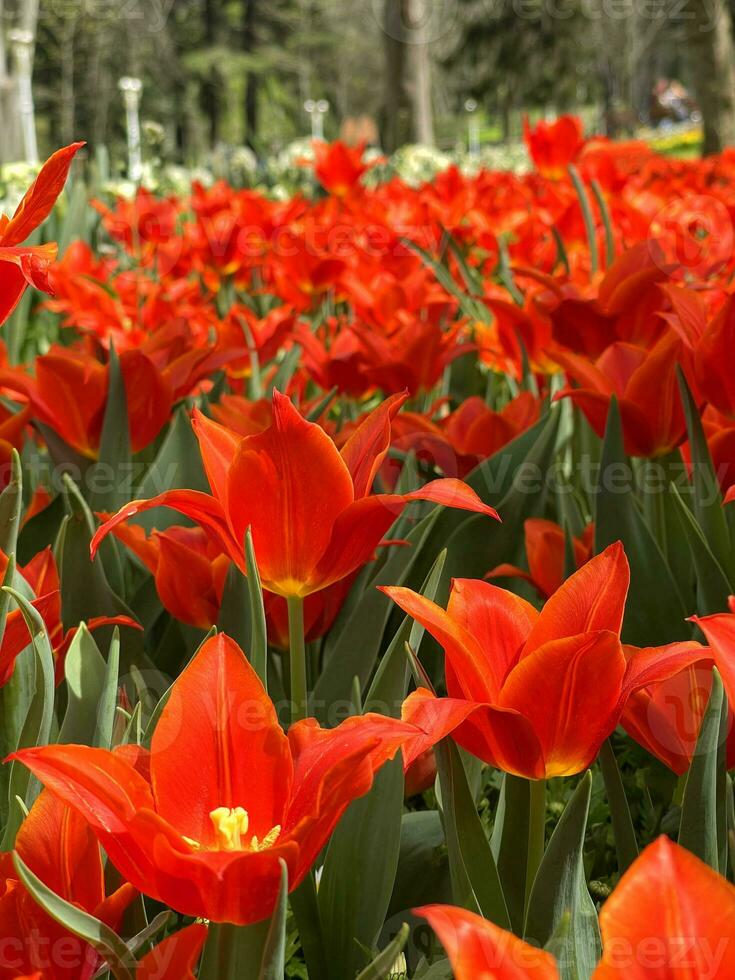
231, 826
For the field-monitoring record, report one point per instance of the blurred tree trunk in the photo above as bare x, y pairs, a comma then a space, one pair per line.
420, 61
407, 106
711, 53
249, 43
394, 101
210, 88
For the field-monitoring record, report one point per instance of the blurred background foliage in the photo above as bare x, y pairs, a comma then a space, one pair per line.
219, 73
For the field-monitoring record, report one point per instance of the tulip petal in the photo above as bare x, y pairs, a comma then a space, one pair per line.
219, 715
478, 948
199, 507
720, 633
671, 916
569, 690
332, 767
176, 957
453, 493
368, 445
468, 661
356, 534
591, 599
435, 717
652, 665
41, 196
58, 846
289, 484
499, 621
12, 286
218, 446
105, 789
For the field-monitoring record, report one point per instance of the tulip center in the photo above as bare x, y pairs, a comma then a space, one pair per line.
231, 828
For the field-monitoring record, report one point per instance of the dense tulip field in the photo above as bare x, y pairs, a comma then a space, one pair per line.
367, 563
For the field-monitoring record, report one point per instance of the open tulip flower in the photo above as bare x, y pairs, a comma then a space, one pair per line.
646, 386
211, 846
671, 917
536, 694
29, 264
59, 848
313, 517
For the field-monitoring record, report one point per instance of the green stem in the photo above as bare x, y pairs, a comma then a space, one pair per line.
536, 832
297, 657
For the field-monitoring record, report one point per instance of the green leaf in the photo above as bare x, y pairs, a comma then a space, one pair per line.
37, 725
703, 827
235, 618
273, 961
422, 877
85, 673
713, 586
588, 216
626, 845
509, 844
657, 615
356, 649
11, 506
707, 494
306, 913
258, 633
475, 880
388, 689
560, 889
234, 952
107, 943
75, 566
473, 308
355, 888
108, 696
381, 967
178, 465
109, 477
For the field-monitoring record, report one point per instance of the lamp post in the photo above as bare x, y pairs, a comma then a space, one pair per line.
316, 110
473, 128
22, 42
131, 89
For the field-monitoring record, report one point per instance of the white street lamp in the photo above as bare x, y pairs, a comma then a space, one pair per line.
473, 127
316, 110
131, 89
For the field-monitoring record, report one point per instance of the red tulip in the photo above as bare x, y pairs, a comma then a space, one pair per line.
211, 846
665, 716
546, 555
339, 167
670, 918
480, 950
476, 432
313, 518
176, 957
533, 694
553, 146
42, 575
58, 847
720, 633
189, 571
713, 355
29, 264
646, 386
